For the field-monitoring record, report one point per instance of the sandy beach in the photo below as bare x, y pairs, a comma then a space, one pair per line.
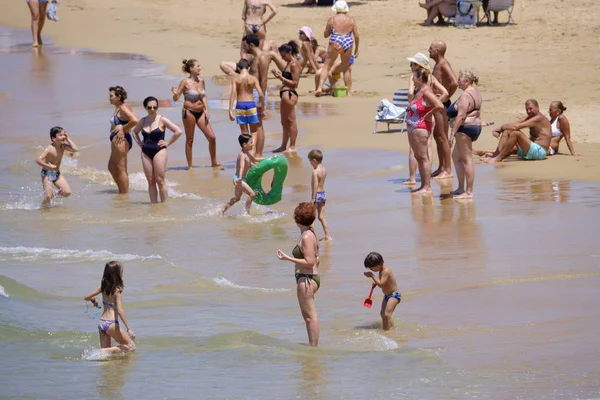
547, 55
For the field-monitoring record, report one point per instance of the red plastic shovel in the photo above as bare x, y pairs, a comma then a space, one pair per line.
368, 302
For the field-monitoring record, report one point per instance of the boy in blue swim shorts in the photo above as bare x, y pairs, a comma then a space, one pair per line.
387, 282
246, 109
317, 184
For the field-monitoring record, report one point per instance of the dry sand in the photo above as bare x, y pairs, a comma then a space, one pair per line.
549, 55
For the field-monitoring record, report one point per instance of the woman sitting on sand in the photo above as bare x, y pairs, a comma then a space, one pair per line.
253, 15
421, 62
121, 122
195, 110
154, 148
289, 76
305, 257
560, 128
466, 129
320, 52
306, 50
419, 119
342, 32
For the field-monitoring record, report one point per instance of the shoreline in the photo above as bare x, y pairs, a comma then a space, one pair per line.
375, 75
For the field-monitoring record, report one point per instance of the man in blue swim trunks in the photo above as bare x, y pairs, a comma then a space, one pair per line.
246, 110
532, 147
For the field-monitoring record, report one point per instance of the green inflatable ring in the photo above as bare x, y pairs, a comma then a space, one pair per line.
254, 179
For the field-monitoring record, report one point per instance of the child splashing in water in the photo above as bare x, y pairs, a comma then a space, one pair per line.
111, 288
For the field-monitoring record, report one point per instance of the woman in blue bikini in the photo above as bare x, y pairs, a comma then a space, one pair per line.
154, 148
121, 123
109, 328
342, 32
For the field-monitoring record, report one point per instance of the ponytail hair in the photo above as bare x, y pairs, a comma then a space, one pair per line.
290, 47
470, 76
560, 106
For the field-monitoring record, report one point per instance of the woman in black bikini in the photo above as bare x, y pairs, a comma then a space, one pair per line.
305, 257
253, 15
154, 148
466, 129
195, 110
121, 122
289, 76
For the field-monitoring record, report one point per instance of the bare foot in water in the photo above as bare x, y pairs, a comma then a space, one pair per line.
326, 239
458, 191
279, 150
436, 172
464, 195
290, 150
442, 175
409, 182
423, 191
216, 164
492, 160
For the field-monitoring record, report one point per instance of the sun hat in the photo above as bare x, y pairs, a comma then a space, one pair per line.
421, 60
307, 31
340, 7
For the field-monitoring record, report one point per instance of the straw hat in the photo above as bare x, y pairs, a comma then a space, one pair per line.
421, 60
340, 7
307, 31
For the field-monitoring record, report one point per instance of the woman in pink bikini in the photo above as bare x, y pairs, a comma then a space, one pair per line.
420, 124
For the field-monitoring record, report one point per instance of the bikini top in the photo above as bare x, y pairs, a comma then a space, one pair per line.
155, 135
555, 131
452, 112
193, 96
287, 75
115, 120
109, 304
297, 251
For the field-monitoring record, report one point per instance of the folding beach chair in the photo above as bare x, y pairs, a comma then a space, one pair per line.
394, 112
467, 14
497, 6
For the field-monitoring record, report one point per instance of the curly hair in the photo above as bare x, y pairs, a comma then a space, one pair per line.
304, 214
119, 92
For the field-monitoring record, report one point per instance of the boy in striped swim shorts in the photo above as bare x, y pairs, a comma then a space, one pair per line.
246, 110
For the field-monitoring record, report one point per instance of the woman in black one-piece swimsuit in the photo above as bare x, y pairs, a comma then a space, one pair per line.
154, 148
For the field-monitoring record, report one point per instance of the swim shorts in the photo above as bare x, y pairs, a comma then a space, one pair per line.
256, 98
246, 113
320, 198
536, 152
52, 175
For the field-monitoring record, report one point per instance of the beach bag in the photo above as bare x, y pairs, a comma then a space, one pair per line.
466, 14
52, 11
386, 110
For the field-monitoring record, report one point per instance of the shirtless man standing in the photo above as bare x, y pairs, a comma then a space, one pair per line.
532, 147
445, 75
260, 70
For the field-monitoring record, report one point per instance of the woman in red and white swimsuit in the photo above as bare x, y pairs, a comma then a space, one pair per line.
420, 124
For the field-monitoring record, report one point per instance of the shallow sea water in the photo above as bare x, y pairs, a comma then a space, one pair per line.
500, 294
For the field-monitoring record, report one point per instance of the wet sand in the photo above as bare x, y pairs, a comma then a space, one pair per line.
499, 293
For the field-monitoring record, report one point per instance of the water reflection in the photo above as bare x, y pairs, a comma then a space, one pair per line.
312, 377
447, 232
114, 376
537, 190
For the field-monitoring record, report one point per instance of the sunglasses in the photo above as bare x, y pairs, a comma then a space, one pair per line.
152, 108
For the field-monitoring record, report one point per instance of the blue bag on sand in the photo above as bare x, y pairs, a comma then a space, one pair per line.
52, 11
